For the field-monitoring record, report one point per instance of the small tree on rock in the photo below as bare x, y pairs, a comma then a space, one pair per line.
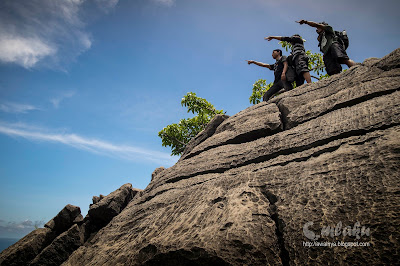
178, 135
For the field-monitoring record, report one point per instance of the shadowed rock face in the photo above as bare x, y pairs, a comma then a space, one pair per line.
27, 248
60, 249
65, 219
105, 209
317, 164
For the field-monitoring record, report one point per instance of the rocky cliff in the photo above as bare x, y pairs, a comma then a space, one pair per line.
309, 177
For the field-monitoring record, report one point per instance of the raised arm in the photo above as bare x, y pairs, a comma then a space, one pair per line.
312, 24
279, 38
259, 64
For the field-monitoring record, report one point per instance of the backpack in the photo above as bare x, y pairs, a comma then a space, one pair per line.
342, 38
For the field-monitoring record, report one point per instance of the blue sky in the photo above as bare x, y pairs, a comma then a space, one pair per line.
85, 86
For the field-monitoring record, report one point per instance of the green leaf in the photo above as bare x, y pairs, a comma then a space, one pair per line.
178, 135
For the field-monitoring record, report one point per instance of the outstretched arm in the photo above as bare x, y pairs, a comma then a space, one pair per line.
279, 38
259, 64
311, 23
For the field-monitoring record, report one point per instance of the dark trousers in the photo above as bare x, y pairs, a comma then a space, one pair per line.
334, 57
275, 88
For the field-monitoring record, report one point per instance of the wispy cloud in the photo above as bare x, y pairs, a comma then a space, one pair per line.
92, 145
19, 228
165, 2
57, 100
17, 108
35, 30
24, 51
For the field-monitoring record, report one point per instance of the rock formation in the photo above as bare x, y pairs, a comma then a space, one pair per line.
67, 231
318, 165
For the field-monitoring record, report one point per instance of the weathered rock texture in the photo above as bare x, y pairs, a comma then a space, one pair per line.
156, 172
27, 248
60, 249
65, 219
314, 165
105, 209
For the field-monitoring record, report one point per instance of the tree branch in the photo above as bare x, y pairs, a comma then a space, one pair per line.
315, 68
175, 139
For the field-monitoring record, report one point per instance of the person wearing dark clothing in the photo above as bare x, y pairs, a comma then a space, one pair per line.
279, 68
334, 52
298, 57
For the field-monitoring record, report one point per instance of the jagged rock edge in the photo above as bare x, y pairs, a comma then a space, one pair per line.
284, 110
257, 134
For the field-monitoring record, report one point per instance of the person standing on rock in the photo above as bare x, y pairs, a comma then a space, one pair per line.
330, 45
297, 57
280, 67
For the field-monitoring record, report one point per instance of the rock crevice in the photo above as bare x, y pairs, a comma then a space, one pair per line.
279, 223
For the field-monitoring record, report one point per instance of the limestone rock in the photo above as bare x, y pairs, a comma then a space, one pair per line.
370, 61
60, 249
390, 61
95, 199
26, 249
111, 205
156, 172
256, 122
206, 133
65, 219
306, 166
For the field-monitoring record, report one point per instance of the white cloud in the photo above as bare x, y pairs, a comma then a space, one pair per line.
24, 51
165, 2
57, 100
19, 228
45, 30
107, 5
9, 107
92, 145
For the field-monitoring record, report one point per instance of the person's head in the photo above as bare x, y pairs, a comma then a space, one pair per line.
276, 53
319, 30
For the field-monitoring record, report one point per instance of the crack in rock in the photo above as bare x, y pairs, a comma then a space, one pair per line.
279, 224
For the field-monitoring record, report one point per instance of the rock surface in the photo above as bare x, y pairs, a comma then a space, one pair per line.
204, 134
65, 219
60, 249
27, 248
316, 165
253, 123
111, 205
156, 172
